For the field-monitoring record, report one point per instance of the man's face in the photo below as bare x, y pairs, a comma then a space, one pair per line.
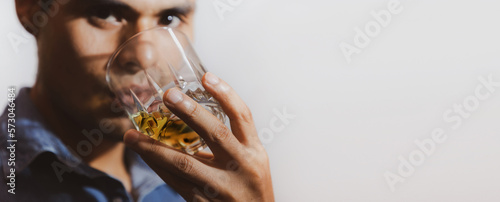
75, 45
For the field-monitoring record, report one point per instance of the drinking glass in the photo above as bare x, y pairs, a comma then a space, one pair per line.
143, 68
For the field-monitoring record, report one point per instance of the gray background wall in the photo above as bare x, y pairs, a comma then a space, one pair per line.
353, 121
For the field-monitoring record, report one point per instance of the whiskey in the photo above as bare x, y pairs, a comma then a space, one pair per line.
164, 126
157, 122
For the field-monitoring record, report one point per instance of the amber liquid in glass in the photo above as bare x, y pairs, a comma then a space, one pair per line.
167, 128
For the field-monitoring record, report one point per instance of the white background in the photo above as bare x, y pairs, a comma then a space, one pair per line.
353, 120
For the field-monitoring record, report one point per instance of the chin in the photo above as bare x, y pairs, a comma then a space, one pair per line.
114, 128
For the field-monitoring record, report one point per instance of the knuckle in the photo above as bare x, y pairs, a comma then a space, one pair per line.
221, 134
154, 147
193, 110
256, 163
255, 173
183, 164
257, 153
233, 165
245, 115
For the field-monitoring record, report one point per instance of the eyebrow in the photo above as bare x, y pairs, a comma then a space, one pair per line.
107, 3
184, 8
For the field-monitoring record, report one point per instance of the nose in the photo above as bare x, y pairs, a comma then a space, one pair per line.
138, 54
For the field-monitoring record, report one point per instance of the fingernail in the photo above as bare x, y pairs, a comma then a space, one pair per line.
174, 96
211, 78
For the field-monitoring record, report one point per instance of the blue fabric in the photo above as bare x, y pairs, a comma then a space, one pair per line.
45, 170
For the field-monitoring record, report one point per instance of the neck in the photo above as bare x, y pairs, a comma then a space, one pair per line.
105, 155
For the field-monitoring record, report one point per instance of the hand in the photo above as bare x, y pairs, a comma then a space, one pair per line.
238, 169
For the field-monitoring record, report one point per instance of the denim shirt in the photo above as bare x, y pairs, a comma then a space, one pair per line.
46, 170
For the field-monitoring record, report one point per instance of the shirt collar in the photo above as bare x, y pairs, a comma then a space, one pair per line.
32, 135
144, 180
33, 138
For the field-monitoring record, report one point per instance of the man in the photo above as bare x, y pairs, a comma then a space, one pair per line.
73, 145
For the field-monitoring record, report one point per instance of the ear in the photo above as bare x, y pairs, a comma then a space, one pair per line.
26, 10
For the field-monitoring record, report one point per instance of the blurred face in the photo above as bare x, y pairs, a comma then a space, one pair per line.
75, 45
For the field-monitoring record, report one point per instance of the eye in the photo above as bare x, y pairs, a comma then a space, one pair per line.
105, 14
170, 20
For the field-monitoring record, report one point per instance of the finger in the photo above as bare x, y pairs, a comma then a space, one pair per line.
204, 155
238, 112
217, 136
156, 153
